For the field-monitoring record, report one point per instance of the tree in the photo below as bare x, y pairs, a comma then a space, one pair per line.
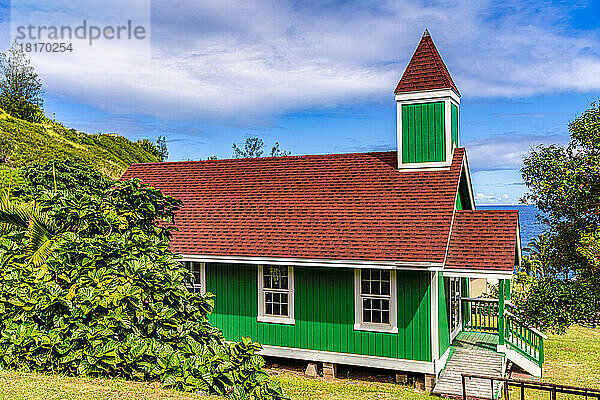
149, 147
62, 175
277, 152
539, 258
253, 148
564, 183
108, 298
20, 86
161, 145
158, 149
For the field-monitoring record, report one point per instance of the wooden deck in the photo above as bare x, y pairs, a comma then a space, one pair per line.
471, 352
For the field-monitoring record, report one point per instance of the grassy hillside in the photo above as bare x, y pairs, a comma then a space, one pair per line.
33, 142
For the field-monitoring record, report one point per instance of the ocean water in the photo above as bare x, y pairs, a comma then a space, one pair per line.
530, 226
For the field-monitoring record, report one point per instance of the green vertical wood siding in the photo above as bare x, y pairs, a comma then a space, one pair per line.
454, 112
423, 132
443, 323
324, 312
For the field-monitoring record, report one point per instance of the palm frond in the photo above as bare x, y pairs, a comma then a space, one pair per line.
42, 237
14, 216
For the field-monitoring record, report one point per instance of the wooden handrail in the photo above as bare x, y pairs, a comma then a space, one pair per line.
479, 299
519, 320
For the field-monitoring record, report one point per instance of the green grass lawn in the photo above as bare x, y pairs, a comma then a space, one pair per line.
572, 359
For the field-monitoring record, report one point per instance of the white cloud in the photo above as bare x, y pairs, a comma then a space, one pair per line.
246, 58
506, 151
482, 198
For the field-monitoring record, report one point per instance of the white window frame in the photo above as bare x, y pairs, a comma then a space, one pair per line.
262, 316
359, 324
202, 284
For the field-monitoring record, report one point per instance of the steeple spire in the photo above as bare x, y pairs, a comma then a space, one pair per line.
426, 70
427, 110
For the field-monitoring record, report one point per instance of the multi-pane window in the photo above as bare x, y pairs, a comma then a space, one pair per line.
275, 285
376, 308
196, 280
276, 294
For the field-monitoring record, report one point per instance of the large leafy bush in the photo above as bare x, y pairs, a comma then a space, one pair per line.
555, 304
110, 299
20, 108
63, 175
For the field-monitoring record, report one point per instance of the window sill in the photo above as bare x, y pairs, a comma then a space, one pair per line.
375, 328
276, 320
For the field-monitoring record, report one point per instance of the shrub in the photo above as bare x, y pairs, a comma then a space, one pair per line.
19, 108
149, 147
110, 299
6, 149
66, 174
554, 304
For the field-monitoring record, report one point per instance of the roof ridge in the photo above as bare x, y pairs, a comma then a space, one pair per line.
296, 156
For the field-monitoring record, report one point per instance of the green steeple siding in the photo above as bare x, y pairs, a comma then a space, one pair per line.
454, 109
324, 312
423, 132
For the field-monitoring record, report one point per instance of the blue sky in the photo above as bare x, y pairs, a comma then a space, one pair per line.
319, 76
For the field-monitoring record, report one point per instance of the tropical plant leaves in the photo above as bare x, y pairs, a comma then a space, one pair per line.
103, 296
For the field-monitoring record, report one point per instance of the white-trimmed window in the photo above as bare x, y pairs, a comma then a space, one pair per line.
197, 281
276, 294
375, 300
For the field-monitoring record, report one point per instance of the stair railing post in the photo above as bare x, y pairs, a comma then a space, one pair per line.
501, 294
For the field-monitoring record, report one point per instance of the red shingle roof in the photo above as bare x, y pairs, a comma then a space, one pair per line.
339, 206
426, 70
483, 239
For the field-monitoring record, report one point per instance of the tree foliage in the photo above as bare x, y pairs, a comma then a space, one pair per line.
538, 260
253, 148
148, 146
554, 304
161, 146
564, 182
6, 149
158, 149
20, 86
61, 175
109, 299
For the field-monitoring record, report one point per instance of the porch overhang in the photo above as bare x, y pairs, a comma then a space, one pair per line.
477, 274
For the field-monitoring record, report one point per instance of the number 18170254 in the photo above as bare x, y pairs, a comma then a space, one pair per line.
46, 47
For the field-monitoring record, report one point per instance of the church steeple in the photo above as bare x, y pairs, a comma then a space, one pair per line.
427, 105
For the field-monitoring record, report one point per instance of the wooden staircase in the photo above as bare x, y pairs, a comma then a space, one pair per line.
479, 362
472, 353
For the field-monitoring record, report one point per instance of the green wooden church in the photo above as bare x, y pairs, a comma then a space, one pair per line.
359, 259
